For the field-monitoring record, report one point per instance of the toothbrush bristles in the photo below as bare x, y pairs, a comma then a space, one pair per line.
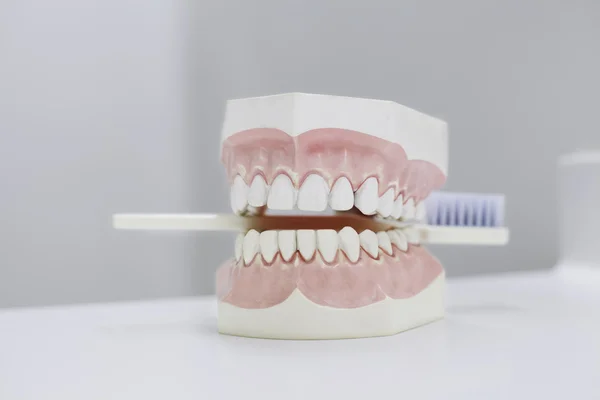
465, 209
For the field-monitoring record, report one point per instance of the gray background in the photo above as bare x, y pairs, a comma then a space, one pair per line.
116, 106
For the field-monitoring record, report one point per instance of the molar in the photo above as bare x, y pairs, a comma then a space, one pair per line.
412, 236
282, 194
366, 197
313, 194
398, 238
409, 210
327, 241
369, 243
341, 197
350, 243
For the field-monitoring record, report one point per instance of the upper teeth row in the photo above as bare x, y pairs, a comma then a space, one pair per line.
326, 241
314, 195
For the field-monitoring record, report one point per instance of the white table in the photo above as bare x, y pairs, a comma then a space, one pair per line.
528, 335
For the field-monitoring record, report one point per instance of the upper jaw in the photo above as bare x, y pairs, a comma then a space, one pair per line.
312, 152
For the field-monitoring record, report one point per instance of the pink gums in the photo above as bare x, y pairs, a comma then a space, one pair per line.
331, 153
340, 285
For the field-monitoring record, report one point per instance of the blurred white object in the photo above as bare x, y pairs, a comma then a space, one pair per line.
579, 214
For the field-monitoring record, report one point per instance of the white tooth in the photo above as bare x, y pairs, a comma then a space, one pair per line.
313, 194
409, 209
350, 243
366, 197
257, 195
397, 209
268, 245
251, 210
282, 194
239, 195
386, 203
239, 242
398, 239
251, 245
421, 212
233, 200
307, 243
327, 241
412, 236
287, 244
384, 242
342, 196
369, 242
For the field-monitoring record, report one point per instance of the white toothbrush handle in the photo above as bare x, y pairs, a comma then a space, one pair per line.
180, 222
452, 235
459, 235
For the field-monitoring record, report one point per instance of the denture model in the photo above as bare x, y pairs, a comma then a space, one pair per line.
356, 266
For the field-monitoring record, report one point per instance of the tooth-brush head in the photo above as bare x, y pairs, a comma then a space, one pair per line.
465, 209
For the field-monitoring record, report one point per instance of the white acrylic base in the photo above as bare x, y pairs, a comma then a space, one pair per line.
578, 211
299, 318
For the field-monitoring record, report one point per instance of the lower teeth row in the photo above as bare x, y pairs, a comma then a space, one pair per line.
327, 241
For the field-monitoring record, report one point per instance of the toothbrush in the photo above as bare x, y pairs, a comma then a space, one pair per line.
452, 218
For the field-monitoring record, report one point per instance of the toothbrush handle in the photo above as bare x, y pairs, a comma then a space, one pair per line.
459, 235
426, 234
180, 222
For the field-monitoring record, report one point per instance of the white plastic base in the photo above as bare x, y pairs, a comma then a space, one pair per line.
299, 318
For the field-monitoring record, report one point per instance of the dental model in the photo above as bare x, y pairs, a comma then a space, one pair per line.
359, 271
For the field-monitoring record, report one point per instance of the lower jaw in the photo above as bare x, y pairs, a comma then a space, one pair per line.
316, 300
298, 318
